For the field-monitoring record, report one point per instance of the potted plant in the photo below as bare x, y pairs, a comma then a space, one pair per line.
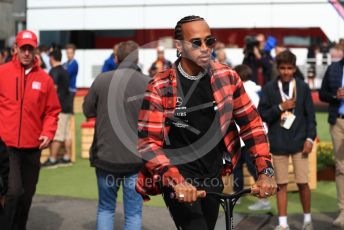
325, 162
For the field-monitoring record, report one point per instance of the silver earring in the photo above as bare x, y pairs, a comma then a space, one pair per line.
179, 53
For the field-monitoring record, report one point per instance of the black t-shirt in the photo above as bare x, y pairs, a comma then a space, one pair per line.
61, 80
195, 134
285, 87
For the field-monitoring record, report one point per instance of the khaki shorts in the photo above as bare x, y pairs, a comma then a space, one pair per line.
281, 166
63, 127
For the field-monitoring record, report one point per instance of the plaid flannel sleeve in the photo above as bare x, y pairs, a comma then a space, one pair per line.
251, 126
151, 137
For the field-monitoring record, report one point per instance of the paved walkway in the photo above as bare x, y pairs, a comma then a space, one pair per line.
57, 213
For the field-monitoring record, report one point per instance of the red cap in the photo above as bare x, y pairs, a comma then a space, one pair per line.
26, 37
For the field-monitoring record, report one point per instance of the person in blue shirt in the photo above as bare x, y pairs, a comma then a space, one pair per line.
110, 63
72, 68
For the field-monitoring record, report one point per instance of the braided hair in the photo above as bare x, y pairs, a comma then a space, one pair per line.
178, 33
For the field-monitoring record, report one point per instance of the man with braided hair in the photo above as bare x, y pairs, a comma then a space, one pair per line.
187, 127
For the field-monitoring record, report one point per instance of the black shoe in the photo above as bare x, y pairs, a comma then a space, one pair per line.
62, 162
48, 164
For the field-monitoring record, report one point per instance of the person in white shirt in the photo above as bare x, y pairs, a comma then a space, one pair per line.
253, 91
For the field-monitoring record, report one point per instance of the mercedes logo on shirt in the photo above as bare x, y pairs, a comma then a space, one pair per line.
179, 101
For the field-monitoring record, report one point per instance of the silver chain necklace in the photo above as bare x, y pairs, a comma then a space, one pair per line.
188, 76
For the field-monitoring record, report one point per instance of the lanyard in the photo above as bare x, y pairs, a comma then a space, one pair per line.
292, 90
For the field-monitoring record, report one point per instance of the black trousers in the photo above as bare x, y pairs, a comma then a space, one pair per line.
4, 169
22, 181
200, 215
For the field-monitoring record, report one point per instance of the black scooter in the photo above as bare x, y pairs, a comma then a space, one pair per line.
228, 202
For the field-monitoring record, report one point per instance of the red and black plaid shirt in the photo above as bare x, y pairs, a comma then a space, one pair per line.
234, 106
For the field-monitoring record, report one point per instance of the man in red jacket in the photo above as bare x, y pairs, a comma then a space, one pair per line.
29, 108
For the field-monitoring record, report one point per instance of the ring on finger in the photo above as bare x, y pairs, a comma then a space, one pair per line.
181, 196
266, 194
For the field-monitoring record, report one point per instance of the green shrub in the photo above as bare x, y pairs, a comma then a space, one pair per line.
325, 155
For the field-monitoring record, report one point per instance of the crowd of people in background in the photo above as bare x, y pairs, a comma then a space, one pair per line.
279, 91
259, 54
6, 55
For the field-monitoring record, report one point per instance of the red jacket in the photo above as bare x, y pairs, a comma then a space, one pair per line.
29, 105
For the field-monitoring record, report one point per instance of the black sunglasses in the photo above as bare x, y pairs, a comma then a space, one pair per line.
197, 42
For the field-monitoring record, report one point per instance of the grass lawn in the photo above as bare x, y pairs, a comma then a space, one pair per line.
76, 181
79, 181
323, 127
